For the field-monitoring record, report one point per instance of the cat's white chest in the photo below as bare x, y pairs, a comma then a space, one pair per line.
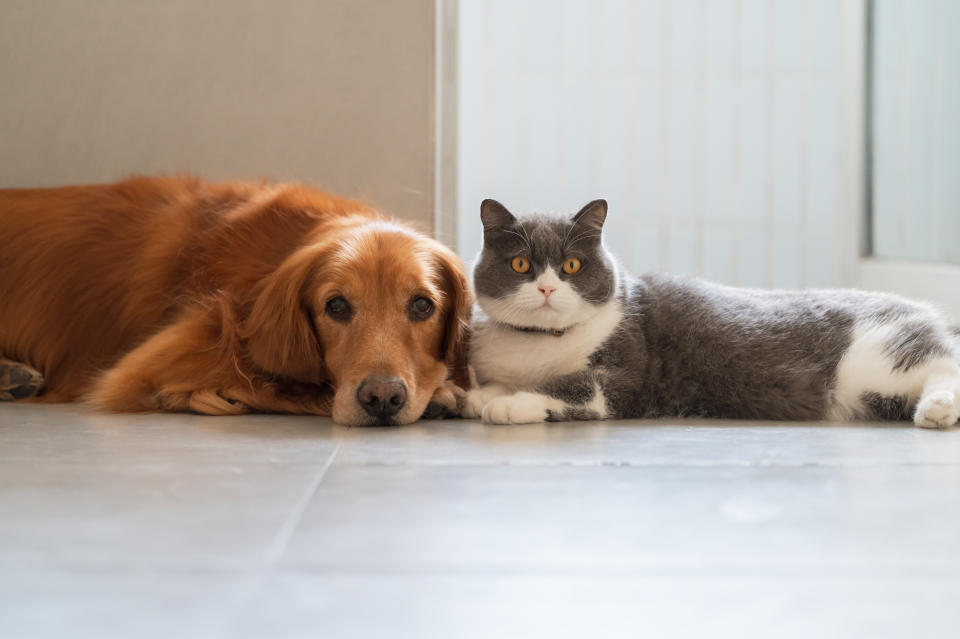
520, 359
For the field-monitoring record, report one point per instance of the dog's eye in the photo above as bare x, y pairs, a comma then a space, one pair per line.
339, 309
420, 308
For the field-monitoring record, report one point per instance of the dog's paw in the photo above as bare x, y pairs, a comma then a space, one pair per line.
447, 401
473, 405
519, 408
216, 402
940, 409
18, 381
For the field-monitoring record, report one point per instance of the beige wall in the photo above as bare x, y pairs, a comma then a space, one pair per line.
334, 92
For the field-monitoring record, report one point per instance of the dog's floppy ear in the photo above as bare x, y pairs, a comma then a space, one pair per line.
454, 348
279, 330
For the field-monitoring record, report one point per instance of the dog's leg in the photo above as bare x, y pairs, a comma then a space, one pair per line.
447, 401
205, 402
270, 397
18, 381
183, 368
180, 369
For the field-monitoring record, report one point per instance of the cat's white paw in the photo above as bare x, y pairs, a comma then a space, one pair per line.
939, 409
478, 398
519, 408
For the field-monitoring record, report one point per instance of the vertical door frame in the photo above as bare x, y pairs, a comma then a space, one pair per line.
445, 122
930, 281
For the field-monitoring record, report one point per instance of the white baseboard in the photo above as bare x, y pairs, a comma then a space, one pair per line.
929, 282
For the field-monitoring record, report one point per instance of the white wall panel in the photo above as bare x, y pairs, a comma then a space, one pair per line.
710, 126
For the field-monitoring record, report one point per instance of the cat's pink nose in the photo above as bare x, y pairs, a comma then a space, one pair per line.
546, 290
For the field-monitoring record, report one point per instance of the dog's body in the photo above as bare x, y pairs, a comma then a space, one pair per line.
179, 294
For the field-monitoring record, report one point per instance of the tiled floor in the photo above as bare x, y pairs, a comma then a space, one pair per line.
266, 526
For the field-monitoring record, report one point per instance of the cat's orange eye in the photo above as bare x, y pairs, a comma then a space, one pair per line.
571, 266
520, 264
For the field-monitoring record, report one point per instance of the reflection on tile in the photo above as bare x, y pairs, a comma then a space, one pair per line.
81, 516
68, 434
54, 605
611, 519
553, 606
81, 489
687, 442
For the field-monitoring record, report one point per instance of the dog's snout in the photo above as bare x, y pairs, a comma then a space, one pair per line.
382, 397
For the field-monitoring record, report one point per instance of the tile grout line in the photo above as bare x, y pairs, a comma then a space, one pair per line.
706, 465
247, 589
282, 539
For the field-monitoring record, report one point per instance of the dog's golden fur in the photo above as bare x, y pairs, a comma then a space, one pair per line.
179, 294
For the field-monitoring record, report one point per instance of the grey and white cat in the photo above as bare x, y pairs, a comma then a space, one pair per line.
565, 334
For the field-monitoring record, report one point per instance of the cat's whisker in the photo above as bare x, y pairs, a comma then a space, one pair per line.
584, 236
567, 236
525, 236
529, 248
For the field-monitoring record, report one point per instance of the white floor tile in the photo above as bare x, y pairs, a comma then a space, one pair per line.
611, 519
273, 526
107, 605
662, 442
557, 606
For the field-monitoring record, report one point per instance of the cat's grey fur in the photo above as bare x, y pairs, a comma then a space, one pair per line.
687, 347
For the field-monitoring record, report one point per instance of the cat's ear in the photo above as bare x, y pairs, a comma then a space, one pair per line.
495, 215
592, 215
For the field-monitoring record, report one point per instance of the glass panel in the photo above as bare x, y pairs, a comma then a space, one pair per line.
916, 131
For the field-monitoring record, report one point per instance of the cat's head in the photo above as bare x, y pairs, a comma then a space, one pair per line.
543, 271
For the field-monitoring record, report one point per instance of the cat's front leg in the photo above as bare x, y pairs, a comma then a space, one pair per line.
520, 408
479, 397
529, 408
577, 396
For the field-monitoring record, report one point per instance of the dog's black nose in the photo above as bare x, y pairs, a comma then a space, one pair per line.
382, 397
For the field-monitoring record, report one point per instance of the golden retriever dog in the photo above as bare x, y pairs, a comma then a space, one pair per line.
177, 294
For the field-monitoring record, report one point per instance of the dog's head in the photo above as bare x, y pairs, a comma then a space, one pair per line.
374, 309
